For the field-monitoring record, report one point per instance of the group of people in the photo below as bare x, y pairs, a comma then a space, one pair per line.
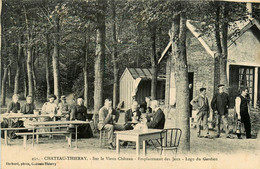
75, 111
220, 104
150, 114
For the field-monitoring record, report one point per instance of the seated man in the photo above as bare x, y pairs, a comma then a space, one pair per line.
132, 114
107, 120
158, 118
28, 107
14, 105
63, 108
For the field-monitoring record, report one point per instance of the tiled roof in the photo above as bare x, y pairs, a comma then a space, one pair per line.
144, 73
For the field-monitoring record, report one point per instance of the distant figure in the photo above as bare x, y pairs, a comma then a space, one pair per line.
14, 105
107, 121
190, 98
148, 104
158, 118
220, 104
242, 110
202, 105
132, 114
28, 107
64, 108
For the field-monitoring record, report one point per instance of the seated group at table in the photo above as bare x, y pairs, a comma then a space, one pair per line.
108, 118
66, 111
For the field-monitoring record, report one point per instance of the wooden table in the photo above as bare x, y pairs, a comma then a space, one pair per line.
58, 123
138, 136
20, 116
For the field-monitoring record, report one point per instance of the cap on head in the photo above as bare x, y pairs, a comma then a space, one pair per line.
202, 89
220, 85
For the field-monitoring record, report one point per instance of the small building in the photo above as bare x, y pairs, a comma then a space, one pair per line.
135, 84
243, 62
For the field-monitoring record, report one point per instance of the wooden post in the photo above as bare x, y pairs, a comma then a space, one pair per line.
6, 141
24, 141
256, 87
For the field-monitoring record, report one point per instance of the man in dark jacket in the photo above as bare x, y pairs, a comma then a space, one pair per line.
220, 104
132, 114
158, 118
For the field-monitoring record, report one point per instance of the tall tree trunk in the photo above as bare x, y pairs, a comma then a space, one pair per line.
85, 68
9, 76
3, 87
153, 62
99, 60
55, 61
30, 71
218, 44
25, 80
47, 65
223, 58
181, 79
33, 70
114, 58
1, 39
18, 66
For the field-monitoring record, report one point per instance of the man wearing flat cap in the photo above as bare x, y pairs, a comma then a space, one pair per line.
63, 108
220, 105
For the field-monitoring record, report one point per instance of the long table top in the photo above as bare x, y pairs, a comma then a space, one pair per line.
15, 115
75, 122
138, 132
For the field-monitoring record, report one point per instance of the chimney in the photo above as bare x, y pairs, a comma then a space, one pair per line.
249, 9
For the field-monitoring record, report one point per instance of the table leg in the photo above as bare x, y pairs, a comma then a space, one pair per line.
76, 136
117, 145
6, 141
144, 148
33, 138
24, 141
137, 146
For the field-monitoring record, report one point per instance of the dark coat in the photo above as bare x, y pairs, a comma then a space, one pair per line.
78, 113
129, 115
13, 107
220, 103
158, 120
27, 108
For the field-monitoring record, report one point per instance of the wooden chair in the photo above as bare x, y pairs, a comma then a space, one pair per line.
103, 137
169, 140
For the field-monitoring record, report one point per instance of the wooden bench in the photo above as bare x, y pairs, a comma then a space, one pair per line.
66, 133
24, 128
10, 129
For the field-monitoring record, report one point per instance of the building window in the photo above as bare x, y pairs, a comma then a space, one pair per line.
246, 79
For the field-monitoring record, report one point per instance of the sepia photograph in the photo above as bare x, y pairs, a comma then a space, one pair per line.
92, 84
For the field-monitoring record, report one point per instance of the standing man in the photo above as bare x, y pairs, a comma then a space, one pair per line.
220, 105
242, 110
202, 105
107, 121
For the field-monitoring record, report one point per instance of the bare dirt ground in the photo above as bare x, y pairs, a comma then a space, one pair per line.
214, 153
